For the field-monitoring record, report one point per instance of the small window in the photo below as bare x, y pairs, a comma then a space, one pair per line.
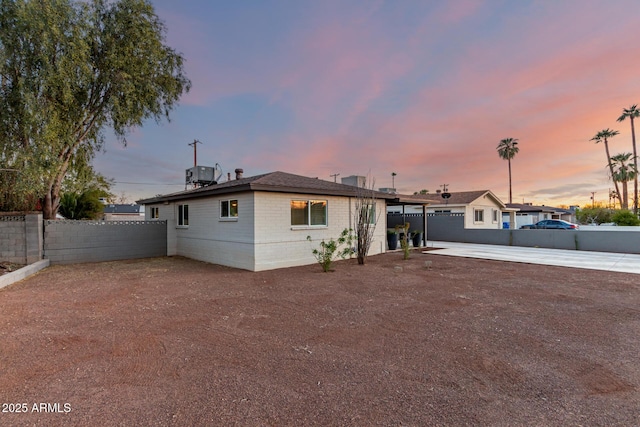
229, 209
478, 215
495, 215
183, 215
155, 213
308, 212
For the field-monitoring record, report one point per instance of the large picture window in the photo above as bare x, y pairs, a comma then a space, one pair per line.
229, 209
183, 215
308, 212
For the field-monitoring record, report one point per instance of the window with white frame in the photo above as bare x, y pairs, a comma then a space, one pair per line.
478, 215
495, 215
155, 213
308, 212
229, 208
183, 215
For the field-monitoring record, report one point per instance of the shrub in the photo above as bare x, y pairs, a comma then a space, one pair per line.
624, 217
597, 215
330, 251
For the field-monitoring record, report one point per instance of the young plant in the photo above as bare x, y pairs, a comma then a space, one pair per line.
404, 240
330, 251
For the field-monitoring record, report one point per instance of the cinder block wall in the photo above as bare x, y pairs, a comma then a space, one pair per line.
67, 242
20, 237
451, 229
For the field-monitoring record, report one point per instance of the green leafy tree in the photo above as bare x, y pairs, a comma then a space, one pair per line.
623, 217
594, 215
68, 71
81, 206
624, 171
603, 136
507, 150
632, 113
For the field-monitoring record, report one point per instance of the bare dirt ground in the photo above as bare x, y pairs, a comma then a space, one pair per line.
172, 341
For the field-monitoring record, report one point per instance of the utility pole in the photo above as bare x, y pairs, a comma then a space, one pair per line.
593, 199
195, 151
335, 176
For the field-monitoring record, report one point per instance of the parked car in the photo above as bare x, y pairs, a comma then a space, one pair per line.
552, 224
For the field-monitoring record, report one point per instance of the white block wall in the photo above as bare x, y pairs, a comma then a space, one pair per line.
279, 245
208, 237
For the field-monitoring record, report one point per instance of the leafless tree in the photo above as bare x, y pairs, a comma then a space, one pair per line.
365, 219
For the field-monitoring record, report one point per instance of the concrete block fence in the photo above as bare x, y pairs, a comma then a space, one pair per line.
67, 242
20, 237
451, 229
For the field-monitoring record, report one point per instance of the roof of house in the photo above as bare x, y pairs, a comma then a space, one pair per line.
280, 182
527, 207
122, 209
462, 198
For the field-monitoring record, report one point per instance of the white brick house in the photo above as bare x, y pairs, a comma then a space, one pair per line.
261, 222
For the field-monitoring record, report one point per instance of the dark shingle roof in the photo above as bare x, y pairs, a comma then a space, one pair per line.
533, 208
280, 182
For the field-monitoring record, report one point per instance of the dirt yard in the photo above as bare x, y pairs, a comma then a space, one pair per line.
171, 341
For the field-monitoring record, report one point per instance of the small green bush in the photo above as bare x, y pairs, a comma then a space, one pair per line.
624, 217
329, 251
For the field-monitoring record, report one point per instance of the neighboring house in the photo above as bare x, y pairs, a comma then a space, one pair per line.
131, 212
261, 222
481, 209
530, 214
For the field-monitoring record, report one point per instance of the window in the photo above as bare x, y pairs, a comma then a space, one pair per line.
368, 213
495, 215
155, 213
183, 215
229, 209
308, 212
478, 215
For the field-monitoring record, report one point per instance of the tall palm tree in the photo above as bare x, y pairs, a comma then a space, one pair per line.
624, 172
633, 112
603, 136
507, 149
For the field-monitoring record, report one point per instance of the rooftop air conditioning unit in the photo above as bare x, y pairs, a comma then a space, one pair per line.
200, 175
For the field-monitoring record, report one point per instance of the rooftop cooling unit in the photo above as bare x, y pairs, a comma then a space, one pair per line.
200, 175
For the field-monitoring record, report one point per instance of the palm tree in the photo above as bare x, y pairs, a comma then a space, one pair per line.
623, 173
507, 149
633, 112
602, 136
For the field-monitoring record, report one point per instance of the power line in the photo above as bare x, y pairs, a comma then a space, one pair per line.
143, 183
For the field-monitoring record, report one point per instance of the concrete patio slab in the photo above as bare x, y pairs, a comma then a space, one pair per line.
608, 261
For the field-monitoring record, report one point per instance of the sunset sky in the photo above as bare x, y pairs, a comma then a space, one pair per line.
424, 88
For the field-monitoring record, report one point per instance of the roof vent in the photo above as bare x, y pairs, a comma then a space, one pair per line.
239, 173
